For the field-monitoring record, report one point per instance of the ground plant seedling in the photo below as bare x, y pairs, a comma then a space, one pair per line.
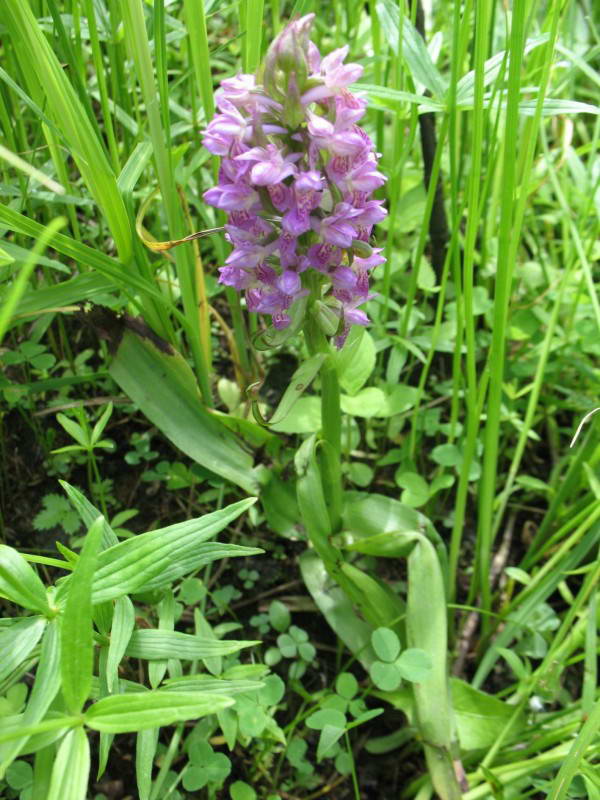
299, 340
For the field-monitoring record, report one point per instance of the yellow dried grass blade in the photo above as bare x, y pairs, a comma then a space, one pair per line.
161, 247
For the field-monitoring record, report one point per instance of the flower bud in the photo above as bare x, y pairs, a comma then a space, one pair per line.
362, 249
327, 319
293, 111
288, 55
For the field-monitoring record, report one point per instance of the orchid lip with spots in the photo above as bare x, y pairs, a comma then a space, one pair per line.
296, 180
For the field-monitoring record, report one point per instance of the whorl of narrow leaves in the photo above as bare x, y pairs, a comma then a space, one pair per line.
296, 179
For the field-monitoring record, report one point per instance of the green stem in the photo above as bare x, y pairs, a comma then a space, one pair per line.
331, 424
102, 86
508, 233
96, 473
353, 767
469, 381
239, 328
168, 759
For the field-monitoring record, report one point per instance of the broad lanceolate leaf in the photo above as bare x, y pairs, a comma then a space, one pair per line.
137, 712
122, 628
373, 401
209, 685
52, 722
337, 608
159, 557
376, 513
299, 382
426, 628
480, 717
17, 641
71, 769
552, 106
465, 88
278, 498
356, 360
381, 526
89, 513
77, 644
161, 383
304, 417
145, 751
157, 644
392, 99
19, 583
43, 692
313, 506
374, 598
414, 51
394, 544
25, 740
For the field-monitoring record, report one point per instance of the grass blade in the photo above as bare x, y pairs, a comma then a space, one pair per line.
40, 63
77, 643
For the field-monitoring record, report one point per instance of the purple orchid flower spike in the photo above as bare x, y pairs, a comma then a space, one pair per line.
296, 181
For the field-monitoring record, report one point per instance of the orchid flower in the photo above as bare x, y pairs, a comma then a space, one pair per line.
296, 180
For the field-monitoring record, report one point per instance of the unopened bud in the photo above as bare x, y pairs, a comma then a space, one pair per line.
289, 54
293, 112
361, 249
327, 319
